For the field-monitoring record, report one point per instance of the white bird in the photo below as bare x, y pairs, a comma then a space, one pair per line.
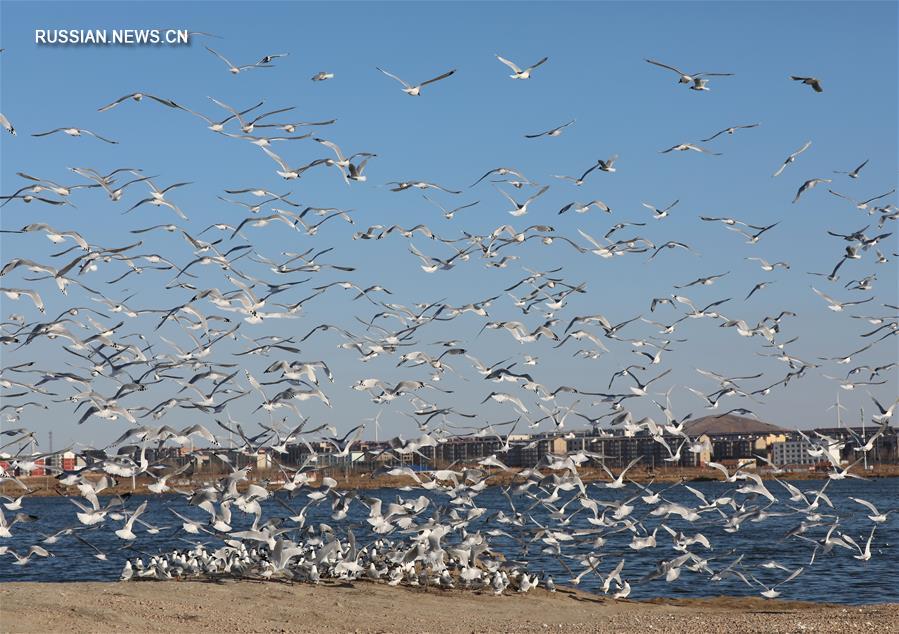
618, 481
126, 531
697, 79
807, 185
234, 70
876, 516
7, 125
836, 306
415, 91
76, 132
792, 157
518, 73
557, 131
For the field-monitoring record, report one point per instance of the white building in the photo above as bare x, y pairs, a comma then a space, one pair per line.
796, 452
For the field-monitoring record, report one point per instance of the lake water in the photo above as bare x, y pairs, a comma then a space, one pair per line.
834, 577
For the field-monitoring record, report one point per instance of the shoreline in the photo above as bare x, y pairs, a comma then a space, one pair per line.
46, 486
247, 606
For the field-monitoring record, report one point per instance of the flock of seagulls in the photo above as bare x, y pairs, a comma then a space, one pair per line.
201, 339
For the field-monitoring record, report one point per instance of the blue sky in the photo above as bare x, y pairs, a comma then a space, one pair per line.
457, 130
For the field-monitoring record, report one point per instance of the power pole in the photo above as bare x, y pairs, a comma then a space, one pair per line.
864, 435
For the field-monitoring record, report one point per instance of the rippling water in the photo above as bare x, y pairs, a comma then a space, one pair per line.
835, 577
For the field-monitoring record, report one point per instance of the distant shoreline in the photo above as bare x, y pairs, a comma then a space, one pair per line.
368, 607
48, 486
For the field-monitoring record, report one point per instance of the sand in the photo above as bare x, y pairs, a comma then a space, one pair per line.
233, 607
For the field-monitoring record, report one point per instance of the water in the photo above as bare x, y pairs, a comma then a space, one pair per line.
835, 577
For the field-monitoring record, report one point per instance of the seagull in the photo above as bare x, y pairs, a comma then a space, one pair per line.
758, 287
76, 132
234, 70
809, 184
814, 82
854, 173
766, 266
322, 76
684, 147
618, 482
517, 72
792, 157
730, 130
876, 516
836, 306
693, 78
522, 208
660, 213
583, 208
7, 125
450, 213
138, 97
861, 205
601, 165
415, 91
772, 593
557, 131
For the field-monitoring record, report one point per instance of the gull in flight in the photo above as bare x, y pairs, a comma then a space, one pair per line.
876, 516
814, 82
836, 306
854, 173
583, 208
601, 165
861, 205
684, 147
618, 482
772, 592
322, 76
791, 158
522, 208
7, 125
697, 79
415, 91
76, 132
138, 96
234, 70
660, 213
730, 130
450, 213
557, 131
517, 72
809, 184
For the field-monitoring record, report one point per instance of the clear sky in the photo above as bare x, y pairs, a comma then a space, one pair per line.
457, 130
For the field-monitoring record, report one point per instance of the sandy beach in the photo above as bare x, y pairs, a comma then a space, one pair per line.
366, 607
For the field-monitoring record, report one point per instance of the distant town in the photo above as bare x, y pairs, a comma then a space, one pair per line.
729, 441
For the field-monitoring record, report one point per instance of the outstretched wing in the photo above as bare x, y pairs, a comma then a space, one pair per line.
391, 75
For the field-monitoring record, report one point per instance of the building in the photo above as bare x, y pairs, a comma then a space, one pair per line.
884, 449
734, 438
795, 453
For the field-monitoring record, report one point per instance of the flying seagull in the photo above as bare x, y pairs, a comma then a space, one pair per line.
554, 132
807, 185
517, 72
76, 132
234, 70
697, 79
730, 130
415, 91
791, 158
809, 81
854, 173
7, 125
